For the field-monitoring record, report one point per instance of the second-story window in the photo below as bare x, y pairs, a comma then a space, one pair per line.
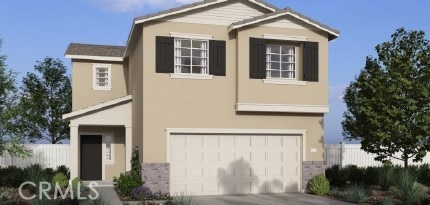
102, 77
281, 61
191, 56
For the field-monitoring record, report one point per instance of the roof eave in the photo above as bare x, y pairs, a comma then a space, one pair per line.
97, 58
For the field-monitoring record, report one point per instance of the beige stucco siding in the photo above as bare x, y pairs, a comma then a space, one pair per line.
83, 94
187, 103
136, 87
255, 91
111, 170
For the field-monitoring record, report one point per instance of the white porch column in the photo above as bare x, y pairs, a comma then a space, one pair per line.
74, 151
128, 148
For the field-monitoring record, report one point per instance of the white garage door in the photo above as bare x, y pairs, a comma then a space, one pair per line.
234, 164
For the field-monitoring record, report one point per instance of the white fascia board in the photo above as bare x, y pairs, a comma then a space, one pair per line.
230, 28
191, 36
284, 37
99, 58
253, 107
263, 5
178, 12
96, 107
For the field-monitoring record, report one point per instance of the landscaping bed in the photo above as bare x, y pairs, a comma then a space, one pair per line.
385, 185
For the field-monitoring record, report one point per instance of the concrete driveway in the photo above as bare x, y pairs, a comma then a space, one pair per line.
266, 199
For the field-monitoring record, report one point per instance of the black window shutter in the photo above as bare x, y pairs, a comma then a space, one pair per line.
310, 61
217, 58
165, 62
257, 58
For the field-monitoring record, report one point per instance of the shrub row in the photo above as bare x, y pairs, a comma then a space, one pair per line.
13, 176
370, 176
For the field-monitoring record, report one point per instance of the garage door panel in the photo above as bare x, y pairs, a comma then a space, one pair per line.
226, 142
195, 157
234, 164
212, 157
243, 142
242, 156
178, 157
178, 141
258, 157
212, 141
258, 141
275, 157
275, 141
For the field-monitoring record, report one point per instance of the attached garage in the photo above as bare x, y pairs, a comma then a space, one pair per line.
235, 163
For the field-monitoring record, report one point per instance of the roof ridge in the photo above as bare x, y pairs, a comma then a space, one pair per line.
91, 44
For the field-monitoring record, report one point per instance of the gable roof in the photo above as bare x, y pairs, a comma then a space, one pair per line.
196, 5
95, 52
287, 11
67, 117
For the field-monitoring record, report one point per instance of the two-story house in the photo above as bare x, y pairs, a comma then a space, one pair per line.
219, 96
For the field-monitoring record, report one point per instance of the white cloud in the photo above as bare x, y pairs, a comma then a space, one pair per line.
137, 5
336, 93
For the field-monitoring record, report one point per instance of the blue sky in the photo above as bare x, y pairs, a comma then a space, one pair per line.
32, 30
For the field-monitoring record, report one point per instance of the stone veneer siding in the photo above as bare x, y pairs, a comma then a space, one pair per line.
311, 169
156, 176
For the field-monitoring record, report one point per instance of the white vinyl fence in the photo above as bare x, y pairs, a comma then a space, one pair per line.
47, 155
351, 154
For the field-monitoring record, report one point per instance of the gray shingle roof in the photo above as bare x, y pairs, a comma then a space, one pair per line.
95, 50
286, 10
193, 5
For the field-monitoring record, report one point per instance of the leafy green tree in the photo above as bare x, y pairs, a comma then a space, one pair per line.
46, 97
11, 140
388, 104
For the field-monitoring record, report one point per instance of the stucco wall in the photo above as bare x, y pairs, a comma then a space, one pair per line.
83, 94
188, 103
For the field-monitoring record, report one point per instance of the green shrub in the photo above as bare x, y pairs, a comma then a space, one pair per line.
135, 164
63, 169
60, 179
336, 176
355, 175
49, 173
35, 174
319, 185
126, 182
78, 185
385, 177
424, 174
371, 176
183, 199
408, 190
357, 194
11, 176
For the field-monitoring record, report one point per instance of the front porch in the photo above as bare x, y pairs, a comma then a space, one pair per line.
101, 140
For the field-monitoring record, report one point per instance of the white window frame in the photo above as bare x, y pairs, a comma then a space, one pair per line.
109, 138
95, 85
177, 69
280, 62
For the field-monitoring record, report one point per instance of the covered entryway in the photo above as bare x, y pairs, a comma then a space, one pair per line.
215, 164
91, 157
101, 140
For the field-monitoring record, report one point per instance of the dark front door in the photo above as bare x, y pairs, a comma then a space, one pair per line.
91, 157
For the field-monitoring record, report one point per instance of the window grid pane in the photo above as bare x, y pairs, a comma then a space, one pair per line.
102, 77
191, 56
281, 62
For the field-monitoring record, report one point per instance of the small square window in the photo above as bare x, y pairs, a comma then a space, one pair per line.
102, 77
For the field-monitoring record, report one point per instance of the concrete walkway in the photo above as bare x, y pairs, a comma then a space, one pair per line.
106, 192
266, 199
